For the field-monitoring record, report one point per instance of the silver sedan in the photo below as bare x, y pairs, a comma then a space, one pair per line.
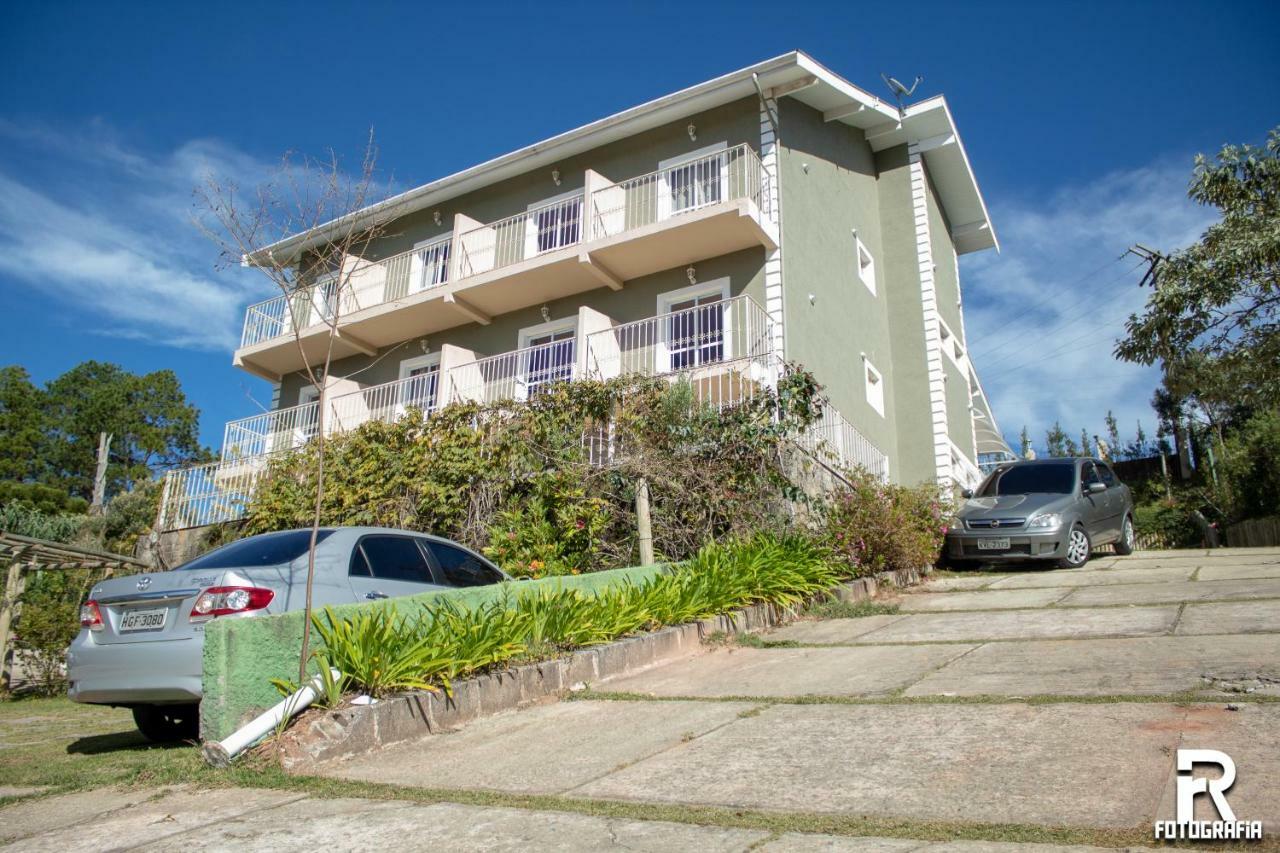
142, 636
1055, 510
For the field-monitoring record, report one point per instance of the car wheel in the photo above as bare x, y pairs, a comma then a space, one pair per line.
1124, 545
1078, 548
167, 723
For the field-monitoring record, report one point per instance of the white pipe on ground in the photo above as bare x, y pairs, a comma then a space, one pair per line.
221, 753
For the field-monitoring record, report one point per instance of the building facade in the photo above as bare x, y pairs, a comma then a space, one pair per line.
777, 213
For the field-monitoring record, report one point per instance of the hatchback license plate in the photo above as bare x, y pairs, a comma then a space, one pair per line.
993, 544
144, 620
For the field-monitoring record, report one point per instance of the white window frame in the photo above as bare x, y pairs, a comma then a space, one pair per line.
564, 324
531, 221
302, 433
418, 270
866, 272
720, 286
407, 366
874, 387
666, 166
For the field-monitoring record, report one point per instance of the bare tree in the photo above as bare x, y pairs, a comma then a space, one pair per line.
330, 218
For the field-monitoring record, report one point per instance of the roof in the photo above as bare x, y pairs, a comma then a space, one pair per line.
44, 554
927, 123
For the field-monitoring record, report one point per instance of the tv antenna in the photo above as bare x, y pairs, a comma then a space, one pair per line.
899, 90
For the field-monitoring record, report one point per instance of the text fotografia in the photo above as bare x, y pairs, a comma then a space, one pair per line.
1184, 827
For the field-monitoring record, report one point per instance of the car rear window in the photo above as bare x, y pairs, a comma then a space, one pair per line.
1032, 479
269, 549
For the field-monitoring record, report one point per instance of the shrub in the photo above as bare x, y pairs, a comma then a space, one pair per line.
380, 652
873, 527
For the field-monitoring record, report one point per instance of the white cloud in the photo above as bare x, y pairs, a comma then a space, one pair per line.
107, 231
1042, 317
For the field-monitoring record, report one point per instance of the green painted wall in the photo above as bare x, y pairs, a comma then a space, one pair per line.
910, 388
959, 418
636, 301
946, 277
242, 655
830, 189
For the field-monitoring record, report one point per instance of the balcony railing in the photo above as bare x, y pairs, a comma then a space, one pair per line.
365, 284
734, 173
516, 375
606, 212
684, 340
837, 440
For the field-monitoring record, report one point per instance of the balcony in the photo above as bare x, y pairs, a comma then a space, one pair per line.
605, 235
723, 350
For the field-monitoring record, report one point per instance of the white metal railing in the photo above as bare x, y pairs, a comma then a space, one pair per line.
540, 229
365, 283
730, 174
515, 375
208, 494
699, 336
727, 175
834, 437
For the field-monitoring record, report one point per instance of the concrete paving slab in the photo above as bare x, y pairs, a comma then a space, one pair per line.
1011, 599
1067, 577
547, 749
1251, 737
926, 762
19, 790
1142, 665
793, 842
1227, 571
1231, 617
352, 824
834, 631
961, 583
1170, 592
31, 817
833, 671
1048, 624
153, 817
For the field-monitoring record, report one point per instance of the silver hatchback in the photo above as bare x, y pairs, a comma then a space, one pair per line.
1055, 510
142, 636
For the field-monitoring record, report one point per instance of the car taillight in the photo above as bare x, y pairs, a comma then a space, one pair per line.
225, 600
90, 616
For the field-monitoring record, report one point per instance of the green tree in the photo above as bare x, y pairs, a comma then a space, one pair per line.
22, 426
153, 427
1024, 443
1086, 445
1213, 316
1113, 435
1056, 441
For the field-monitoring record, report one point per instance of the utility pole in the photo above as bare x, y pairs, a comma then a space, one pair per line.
644, 525
100, 474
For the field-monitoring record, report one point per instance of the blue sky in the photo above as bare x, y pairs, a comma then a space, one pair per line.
1080, 119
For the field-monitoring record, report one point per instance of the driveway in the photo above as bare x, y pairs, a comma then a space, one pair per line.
1040, 706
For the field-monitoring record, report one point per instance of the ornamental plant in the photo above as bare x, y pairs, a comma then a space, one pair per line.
872, 527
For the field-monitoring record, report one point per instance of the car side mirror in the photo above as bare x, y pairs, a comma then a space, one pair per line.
1094, 488
966, 493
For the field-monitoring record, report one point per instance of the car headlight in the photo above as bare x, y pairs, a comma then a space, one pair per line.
1045, 521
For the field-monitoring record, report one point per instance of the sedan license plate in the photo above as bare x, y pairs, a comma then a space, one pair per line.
144, 620
994, 544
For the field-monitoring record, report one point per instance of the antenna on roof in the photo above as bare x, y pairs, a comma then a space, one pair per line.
900, 91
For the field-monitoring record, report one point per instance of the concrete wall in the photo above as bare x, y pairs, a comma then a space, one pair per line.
241, 656
637, 300
830, 189
946, 277
959, 415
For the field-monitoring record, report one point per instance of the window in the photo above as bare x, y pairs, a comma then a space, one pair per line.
553, 224
1089, 474
393, 558
268, 549
306, 418
692, 180
462, 568
695, 328
1108, 476
419, 383
864, 263
430, 265
1046, 478
875, 386
550, 354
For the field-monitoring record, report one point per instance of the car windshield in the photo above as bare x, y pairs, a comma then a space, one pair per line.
1031, 479
269, 549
